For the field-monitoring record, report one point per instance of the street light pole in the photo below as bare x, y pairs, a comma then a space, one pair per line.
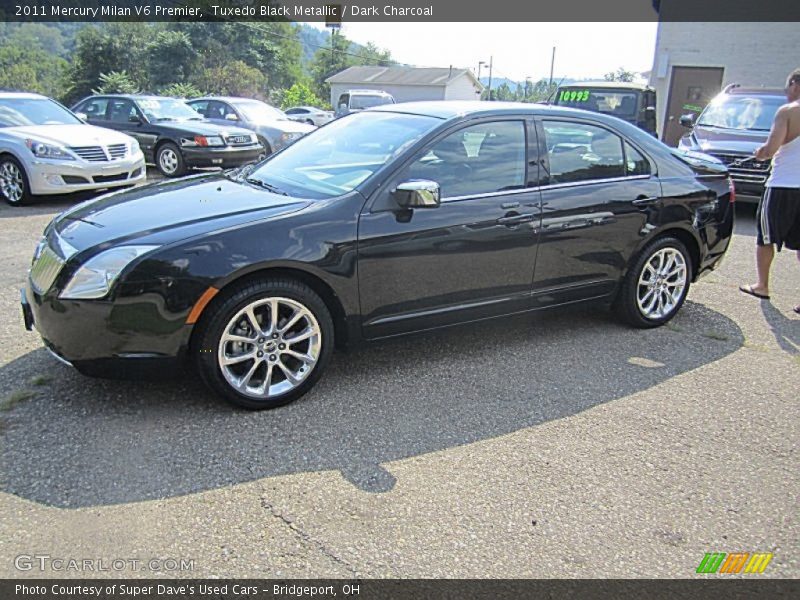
491, 61
552, 63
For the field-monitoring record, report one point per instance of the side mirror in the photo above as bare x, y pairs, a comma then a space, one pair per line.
135, 119
231, 117
82, 116
688, 120
417, 193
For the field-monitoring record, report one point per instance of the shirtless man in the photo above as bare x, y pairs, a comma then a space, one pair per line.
778, 215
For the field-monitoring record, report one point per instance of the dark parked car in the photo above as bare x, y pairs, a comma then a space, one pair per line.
397, 219
632, 102
172, 135
730, 128
275, 130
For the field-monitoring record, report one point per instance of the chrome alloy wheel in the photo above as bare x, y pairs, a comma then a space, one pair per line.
168, 160
11, 184
269, 347
661, 283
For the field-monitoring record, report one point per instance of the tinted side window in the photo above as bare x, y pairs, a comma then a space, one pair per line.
215, 110
200, 106
479, 159
635, 163
121, 111
94, 108
582, 152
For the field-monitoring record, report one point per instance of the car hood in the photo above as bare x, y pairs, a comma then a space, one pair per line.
200, 128
169, 211
710, 139
68, 135
285, 126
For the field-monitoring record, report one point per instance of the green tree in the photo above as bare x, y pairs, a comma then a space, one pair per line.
170, 58
181, 90
31, 70
234, 79
300, 95
329, 61
619, 75
115, 82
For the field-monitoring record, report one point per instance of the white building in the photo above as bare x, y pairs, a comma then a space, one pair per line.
408, 84
694, 61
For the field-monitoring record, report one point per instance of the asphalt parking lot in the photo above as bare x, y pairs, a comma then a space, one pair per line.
560, 445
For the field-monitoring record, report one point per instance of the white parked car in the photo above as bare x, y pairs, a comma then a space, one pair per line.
310, 115
46, 149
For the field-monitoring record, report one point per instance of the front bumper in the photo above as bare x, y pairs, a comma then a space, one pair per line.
66, 177
225, 157
126, 340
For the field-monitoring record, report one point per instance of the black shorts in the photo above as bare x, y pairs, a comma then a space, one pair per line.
778, 218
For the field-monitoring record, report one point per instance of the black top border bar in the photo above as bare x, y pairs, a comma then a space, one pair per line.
417, 11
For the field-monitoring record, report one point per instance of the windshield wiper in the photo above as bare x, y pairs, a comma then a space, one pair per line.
267, 186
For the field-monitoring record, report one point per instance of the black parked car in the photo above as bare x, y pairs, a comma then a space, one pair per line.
171, 134
730, 128
397, 219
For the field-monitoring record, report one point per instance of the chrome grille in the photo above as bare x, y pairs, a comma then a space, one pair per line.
238, 140
117, 150
90, 153
45, 269
749, 170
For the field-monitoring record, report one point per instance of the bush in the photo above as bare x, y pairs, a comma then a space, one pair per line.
299, 95
115, 82
181, 90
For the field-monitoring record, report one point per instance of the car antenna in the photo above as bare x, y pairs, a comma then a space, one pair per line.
555, 89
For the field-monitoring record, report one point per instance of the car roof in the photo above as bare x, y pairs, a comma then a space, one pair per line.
623, 85
231, 99
367, 91
20, 95
451, 109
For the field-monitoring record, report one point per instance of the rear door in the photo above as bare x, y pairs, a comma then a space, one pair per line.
469, 258
594, 205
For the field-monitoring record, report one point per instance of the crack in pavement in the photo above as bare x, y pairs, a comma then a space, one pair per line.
306, 537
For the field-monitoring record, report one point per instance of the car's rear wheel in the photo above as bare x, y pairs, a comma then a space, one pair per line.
656, 284
265, 343
14, 186
169, 160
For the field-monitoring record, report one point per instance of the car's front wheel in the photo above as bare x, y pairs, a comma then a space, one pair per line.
169, 160
265, 343
656, 284
14, 185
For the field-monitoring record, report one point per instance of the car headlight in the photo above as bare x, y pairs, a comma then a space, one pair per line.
42, 150
203, 140
95, 277
290, 137
133, 147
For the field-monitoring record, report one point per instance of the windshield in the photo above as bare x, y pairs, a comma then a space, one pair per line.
17, 112
616, 103
259, 111
335, 159
360, 101
167, 109
740, 112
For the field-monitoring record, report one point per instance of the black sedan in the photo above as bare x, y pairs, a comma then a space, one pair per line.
171, 134
397, 219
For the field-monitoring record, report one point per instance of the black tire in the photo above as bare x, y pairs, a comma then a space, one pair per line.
224, 308
25, 197
169, 154
267, 150
627, 304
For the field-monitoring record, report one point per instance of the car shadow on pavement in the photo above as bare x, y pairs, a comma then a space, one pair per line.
81, 442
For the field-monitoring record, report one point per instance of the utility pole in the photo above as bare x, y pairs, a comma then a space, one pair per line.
491, 61
552, 63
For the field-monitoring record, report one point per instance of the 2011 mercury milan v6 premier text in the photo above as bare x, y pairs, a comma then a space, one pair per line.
400, 218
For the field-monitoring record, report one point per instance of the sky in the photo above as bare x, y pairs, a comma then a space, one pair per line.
518, 50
